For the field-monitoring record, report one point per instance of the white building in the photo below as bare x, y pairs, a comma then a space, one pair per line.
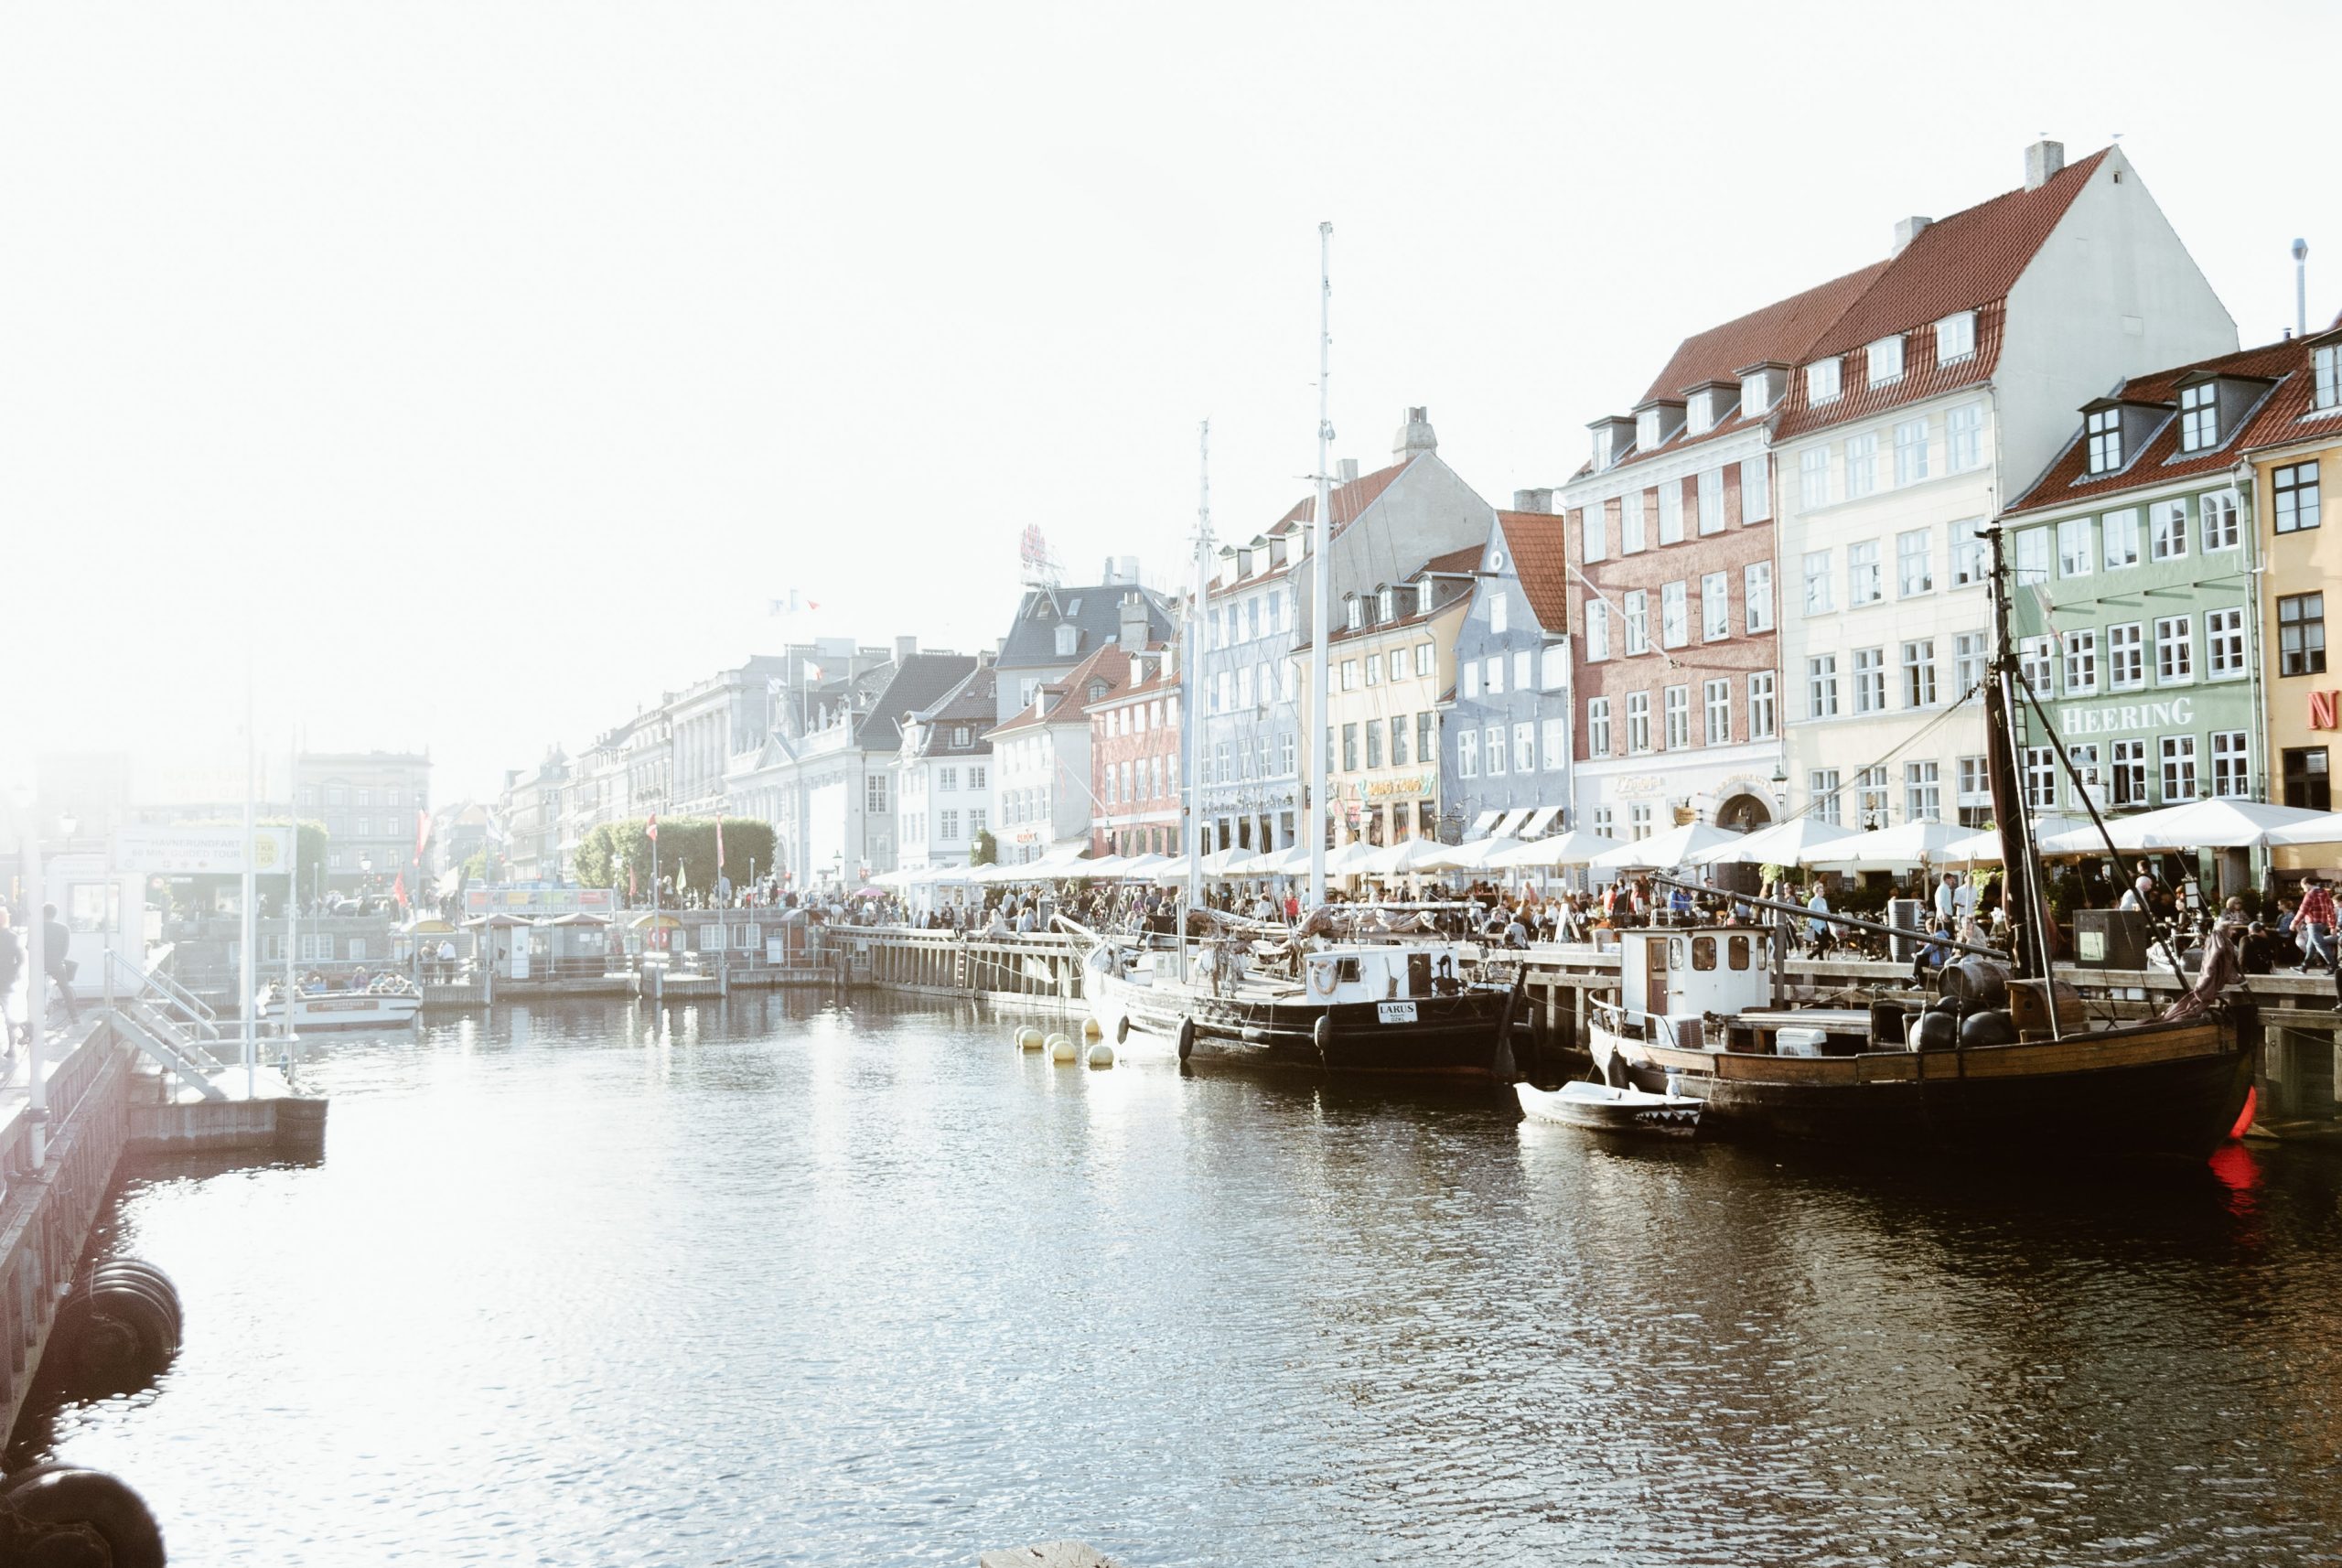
1946, 388
943, 776
1041, 797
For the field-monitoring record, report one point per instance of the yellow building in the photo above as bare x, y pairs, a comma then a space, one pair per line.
1392, 664
2295, 445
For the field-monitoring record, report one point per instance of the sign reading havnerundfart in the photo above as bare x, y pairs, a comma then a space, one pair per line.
210, 850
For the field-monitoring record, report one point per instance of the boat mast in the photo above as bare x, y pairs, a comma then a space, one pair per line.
1321, 533
1192, 679
2020, 866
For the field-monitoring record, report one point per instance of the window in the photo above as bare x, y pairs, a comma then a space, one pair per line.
2199, 416
874, 794
1715, 606
1373, 678
1968, 557
1398, 741
1557, 745
2174, 650
1638, 621
2081, 663
1956, 337
1602, 821
1426, 741
2122, 538
1647, 429
1922, 792
1594, 535
1822, 788
2326, 369
1524, 748
950, 826
1975, 800
1822, 381
1639, 819
1679, 717
1674, 614
1244, 683
2224, 643
1712, 501
1555, 667
2126, 658
1631, 518
1495, 682
1817, 581
975, 777
1756, 590
1762, 721
2167, 529
1357, 607
1919, 673
2178, 768
2300, 634
2305, 777
1670, 513
1638, 722
1870, 680
2230, 766
2216, 516
1914, 564
1755, 492
1468, 671
1822, 686
1397, 663
1374, 743
1814, 477
1911, 451
2075, 555
1870, 795
2091, 788
1499, 612
1349, 679
2032, 664
947, 778
1885, 360
2032, 557
1492, 750
1467, 753
2126, 775
2296, 492
1866, 584
1964, 438
2103, 429
1598, 726
2040, 777
1716, 716
1861, 464
1597, 629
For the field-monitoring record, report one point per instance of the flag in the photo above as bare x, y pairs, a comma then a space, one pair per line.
651, 832
812, 673
719, 844
795, 604
422, 831
683, 877
398, 890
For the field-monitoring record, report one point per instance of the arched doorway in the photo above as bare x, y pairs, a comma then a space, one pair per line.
1744, 814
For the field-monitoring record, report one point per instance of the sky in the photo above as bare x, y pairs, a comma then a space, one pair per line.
472, 373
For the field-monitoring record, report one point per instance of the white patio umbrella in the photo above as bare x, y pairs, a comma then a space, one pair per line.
1782, 843
1673, 847
1472, 857
1574, 848
2199, 824
1408, 857
1104, 865
1350, 860
1984, 848
1906, 843
2327, 828
1139, 867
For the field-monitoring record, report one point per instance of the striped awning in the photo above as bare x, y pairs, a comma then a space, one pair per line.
1539, 821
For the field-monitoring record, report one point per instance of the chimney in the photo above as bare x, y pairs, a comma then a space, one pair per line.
1414, 436
1133, 635
984, 658
1532, 500
904, 648
2043, 160
1346, 471
1906, 230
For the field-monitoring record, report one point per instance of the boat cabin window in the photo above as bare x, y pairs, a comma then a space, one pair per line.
1346, 970
1740, 953
1703, 953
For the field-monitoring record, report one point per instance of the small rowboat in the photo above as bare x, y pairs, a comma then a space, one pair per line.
1608, 1109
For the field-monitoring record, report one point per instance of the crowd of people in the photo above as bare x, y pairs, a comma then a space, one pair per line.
21, 991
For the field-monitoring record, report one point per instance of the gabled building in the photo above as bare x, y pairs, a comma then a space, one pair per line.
1041, 761
942, 775
1057, 629
1134, 767
1672, 587
2295, 450
1947, 385
1256, 615
1512, 681
2134, 603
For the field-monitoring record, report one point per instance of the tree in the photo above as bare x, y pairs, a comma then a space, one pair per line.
984, 849
686, 852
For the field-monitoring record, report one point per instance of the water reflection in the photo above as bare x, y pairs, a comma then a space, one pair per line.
774, 1280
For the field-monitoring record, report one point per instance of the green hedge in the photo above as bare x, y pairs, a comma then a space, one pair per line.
686, 844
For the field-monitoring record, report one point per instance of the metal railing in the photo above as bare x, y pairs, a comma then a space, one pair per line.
189, 1009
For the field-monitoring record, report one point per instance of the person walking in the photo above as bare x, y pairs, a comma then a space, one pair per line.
11, 967
2316, 921
56, 942
1818, 931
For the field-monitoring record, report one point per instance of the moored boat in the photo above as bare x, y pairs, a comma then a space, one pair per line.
1605, 1107
391, 1003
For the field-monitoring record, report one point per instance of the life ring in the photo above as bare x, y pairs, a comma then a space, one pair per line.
1187, 1037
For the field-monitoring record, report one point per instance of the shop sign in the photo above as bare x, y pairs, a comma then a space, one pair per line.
1382, 788
2102, 718
201, 850
2322, 710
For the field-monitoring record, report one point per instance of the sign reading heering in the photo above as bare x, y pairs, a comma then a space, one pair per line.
2177, 714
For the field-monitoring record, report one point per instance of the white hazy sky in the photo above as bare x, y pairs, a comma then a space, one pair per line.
493, 363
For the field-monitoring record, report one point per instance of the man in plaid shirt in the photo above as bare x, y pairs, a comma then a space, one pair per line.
2316, 919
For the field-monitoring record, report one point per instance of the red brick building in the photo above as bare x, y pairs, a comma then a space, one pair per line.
1135, 775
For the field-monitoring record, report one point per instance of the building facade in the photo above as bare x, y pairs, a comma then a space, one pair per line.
1948, 384
367, 802
944, 775
1513, 681
2296, 452
1134, 770
532, 806
1041, 760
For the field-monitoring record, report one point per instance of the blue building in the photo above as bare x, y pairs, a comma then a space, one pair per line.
1505, 768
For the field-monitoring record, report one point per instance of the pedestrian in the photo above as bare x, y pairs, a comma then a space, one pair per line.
11, 967
57, 943
2315, 922
1818, 931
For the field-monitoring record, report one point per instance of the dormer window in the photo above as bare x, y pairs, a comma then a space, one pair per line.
1647, 429
1699, 414
1389, 609
1956, 337
1356, 611
959, 735
1756, 392
1602, 449
1886, 357
1822, 381
2199, 416
1069, 638
1243, 562
1423, 598
2325, 377
2104, 428
1098, 690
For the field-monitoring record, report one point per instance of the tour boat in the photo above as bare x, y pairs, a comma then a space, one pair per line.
1605, 1107
2005, 1062
383, 1004
1384, 1007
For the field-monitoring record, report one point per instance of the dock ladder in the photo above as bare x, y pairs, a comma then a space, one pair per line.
170, 1024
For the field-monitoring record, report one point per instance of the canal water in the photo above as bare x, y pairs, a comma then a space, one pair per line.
775, 1281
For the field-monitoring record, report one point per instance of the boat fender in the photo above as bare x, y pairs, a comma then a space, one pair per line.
1060, 1048
1091, 1029
1992, 1027
98, 1502
1187, 1037
1122, 1030
1029, 1039
1101, 1055
1321, 1034
1934, 1030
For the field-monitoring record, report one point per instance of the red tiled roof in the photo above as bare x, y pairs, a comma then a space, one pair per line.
1465, 560
1343, 503
1064, 700
1782, 330
1539, 559
2274, 419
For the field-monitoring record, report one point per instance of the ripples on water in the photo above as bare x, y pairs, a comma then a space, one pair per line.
784, 1284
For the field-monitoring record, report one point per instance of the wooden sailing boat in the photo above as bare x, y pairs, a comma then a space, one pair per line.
2005, 1063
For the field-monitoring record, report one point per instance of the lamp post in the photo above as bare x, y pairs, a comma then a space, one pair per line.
28, 839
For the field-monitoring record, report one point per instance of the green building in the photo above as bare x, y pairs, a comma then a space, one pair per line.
2135, 604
